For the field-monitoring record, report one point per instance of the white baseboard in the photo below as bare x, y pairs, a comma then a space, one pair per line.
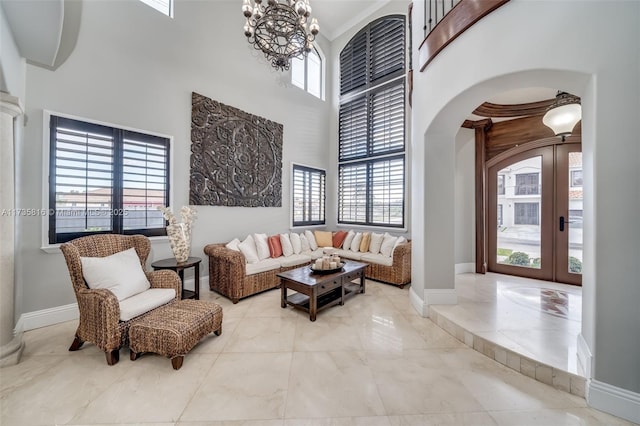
584, 356
440, 296
51, 316
435, 296
614, 400
465, 268
418, 304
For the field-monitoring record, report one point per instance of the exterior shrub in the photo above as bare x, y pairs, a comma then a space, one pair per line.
518, 258
575, 265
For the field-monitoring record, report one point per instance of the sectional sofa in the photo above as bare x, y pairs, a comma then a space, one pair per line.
239, 269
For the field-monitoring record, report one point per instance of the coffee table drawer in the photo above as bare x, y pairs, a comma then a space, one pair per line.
328, 286
347, 278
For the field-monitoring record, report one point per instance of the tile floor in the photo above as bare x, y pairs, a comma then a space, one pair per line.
371, 362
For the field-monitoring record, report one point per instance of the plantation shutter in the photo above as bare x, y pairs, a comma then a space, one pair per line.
387, 191
353, 64
353, 123
308, 196
352, 182
145, 180
387, 48
81, 176
387, 119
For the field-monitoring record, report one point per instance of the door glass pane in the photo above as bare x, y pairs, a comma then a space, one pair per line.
519, 192
575, 212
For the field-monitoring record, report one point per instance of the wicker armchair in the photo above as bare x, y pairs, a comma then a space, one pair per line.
99, 308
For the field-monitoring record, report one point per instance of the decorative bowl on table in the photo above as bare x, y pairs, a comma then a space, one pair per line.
326, 271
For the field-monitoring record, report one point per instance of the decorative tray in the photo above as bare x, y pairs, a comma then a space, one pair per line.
326, 271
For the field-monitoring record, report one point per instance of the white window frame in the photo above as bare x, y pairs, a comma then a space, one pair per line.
55, 248
305, 64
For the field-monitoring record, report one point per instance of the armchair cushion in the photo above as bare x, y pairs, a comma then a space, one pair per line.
140, 303
121, 273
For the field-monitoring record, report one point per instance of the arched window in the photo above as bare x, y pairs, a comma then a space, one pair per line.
307, 73
371, 151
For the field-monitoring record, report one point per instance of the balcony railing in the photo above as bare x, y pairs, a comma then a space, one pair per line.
444, 20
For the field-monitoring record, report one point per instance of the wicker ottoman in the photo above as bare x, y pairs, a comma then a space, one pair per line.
175, 329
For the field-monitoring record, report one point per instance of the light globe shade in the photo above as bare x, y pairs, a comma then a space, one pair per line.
563, 119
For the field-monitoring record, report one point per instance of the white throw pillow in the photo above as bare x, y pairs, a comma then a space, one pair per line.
401, 240
121, 273
355, 243
388, 244
346, 244
376, 242
248, 248
262, 246
295, 243
304, 243
312, 239
233, 244
287, 248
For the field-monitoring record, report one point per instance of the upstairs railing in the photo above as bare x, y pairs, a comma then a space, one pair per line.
434, 11
444, 20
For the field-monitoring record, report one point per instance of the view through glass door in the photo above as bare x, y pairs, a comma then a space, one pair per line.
535, 214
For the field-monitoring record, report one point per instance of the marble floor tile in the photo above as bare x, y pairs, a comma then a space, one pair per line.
434, 336
567, 417
242, 386
266, 334
53, 395
327, 334
389, 333
168, 391
401, 379
341, 421
339, 384
444, 419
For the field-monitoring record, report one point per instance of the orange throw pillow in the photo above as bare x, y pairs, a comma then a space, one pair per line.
275, 247
338, 238
366, 240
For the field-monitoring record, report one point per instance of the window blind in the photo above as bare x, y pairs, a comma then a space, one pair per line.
308, 196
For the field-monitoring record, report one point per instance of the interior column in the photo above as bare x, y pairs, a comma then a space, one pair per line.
10, 346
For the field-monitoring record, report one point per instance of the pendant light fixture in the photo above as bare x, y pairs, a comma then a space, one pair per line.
563, 114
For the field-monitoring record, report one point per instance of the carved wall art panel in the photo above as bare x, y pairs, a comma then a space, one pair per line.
236, 157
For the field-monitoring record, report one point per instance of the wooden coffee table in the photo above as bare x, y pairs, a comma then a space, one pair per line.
316, 292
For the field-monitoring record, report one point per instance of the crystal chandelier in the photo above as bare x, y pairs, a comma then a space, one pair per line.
279, 29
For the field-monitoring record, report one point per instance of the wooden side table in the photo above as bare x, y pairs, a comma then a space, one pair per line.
179, 267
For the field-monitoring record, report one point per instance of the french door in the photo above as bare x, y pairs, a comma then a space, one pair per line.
535, 214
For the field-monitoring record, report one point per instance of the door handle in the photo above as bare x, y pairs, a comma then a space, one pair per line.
561, 223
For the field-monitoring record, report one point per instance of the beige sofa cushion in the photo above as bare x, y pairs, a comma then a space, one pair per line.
379, 259
294, 260
348, 254
262, 266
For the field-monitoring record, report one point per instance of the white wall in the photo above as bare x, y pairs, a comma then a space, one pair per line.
464, 215
12, 65
587, 48
134, 67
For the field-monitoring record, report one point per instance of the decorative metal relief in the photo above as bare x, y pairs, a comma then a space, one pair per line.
236, 157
